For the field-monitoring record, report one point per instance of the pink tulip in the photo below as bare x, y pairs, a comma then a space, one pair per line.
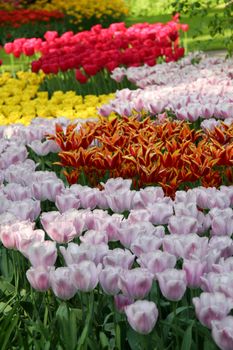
194, 269
172, 283
157, 261
62, 284
142, 316
136, 283
117, 184
17, 192
222, 222
44, 148
215, 282
89, 197
222, 333
94, 237
42, 253
28, 209
121, 301
47, 189
150, 195
212, 306
109, 279
85, 275
121, 200
145, 244
186, 246
182, 225
75, 253
137, 215
61, 231
223, 244
128, 232
119, 257
67, 201
8, 232
38, 278
224, 265
112, 225
160, 213
25, 237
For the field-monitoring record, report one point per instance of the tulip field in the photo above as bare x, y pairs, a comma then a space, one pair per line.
116, 182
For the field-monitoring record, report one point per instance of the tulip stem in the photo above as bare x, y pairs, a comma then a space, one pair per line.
175, 323
85, 332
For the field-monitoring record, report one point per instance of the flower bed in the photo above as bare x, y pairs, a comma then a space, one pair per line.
116, 232
189, 91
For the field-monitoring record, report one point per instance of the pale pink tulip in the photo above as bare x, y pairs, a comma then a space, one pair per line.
142, 316
109, 279
194, 269
42, 253
62, 284
85, 275
136, 283
222, 333
157, 261
38, 278
172, 283
211, 307
119, 257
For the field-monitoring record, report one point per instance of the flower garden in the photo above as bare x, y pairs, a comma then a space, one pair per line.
116, 182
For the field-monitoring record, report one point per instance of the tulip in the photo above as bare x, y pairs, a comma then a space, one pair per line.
136, 283
94, 237
194, 269
85, 275
42, 253
62, 284
215, 282
75, 253
48, 189
38, 278
142, 315
25, 237
172, 283
61, 231
212, 306
157, 261
119, 257
121, 301
182, 225
66, 202
109, 279
145, 244
222, 333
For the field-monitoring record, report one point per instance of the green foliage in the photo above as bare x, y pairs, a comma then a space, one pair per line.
219, 24
99, 84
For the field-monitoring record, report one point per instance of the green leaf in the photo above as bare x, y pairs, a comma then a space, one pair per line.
67, 323
187, 339
9, 330
134, 339
104, 341
6, 287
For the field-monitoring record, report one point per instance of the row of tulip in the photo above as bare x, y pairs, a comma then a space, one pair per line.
170, 153
104, 48
80, 13
21, 101
16, 18
189, 91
